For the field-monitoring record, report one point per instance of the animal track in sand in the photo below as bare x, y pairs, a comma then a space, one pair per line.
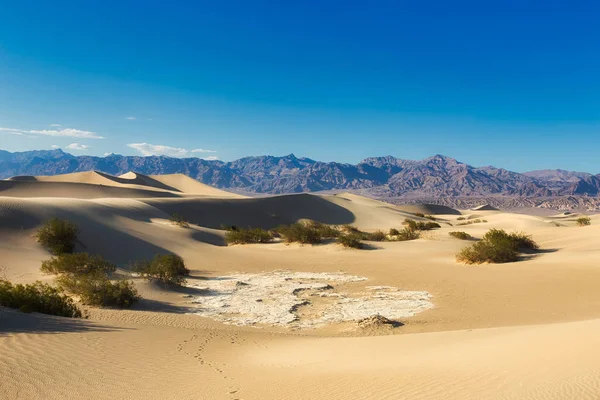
301, 300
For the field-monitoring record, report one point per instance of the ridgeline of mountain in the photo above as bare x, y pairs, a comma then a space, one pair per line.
383, 177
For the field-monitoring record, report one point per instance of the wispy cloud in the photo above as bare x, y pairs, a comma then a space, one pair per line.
77, 146
65, 132
108, 154
54, 146
130, 118
148, 149
54, 125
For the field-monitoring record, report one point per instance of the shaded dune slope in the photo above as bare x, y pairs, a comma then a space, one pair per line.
427, 209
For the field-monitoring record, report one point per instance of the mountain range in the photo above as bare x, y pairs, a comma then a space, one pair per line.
383, 177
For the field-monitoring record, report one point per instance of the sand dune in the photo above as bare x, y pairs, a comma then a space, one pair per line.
131, 185
428, 209
484, 207
185, 184
524, 330
30, 189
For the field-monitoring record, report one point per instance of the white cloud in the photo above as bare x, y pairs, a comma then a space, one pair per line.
12, 131
148, 149
55, 125
55, 147
130, 118
65, 132
108, 154
211, 158
77, 146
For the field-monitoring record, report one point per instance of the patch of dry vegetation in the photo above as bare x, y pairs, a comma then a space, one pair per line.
37, 297
87, 277
169, 269
180, 221
420, 225
98, 290
248, 235
78, 264
471, 222
497, 246
460, 235
583, 221
58, 235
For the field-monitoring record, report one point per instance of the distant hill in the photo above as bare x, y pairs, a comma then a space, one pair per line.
384, 177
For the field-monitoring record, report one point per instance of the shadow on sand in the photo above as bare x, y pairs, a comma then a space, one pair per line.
267, 212
13, 321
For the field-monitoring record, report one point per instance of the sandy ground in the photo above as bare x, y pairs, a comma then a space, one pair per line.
524, 330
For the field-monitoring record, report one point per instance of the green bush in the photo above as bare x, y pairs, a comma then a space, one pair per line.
350, 240
58, 236
394, 232
98, 290
78, 263
431, 217
180, 221
166, 268
300, 233
461, 235
37, 297
248, 235
460, 218
497, 246
420, 215
584, 221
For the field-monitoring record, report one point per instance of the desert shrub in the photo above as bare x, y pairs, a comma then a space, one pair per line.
427, 226
461, 235
350, 229
584, 221
300, 233
350, 240
411, 223
405, 234
180, 221
37, 297
248, 235
98, 290
394, 232
326, 231
421, 226
420, 215
484, 251
523, 241
58, 236
166, 268
377, 236
460, 218
471, 221
431, 217
496, 246
78, 263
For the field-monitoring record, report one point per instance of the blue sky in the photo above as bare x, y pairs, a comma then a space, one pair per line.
510, 83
